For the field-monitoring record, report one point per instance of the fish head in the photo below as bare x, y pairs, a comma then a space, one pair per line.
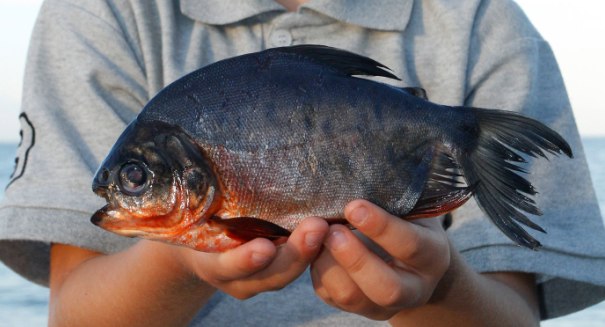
156, 183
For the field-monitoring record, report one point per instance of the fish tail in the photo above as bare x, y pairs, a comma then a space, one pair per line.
492, 166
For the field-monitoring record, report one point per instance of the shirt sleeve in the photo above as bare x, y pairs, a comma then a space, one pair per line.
512, 67
83, 82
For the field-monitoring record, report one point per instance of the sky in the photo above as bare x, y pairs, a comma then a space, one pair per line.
575, 30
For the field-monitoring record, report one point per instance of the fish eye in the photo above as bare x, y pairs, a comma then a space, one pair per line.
133, 178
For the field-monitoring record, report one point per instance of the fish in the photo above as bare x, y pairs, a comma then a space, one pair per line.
249, 146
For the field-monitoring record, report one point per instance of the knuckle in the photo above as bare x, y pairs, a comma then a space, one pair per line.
345, 297
276, 287
302, 259
275, 284
355, 264
392, 298
321, 292
380, 315
242, 295
377, 227
413, 246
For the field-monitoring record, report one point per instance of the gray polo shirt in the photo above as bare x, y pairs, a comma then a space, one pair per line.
93, 64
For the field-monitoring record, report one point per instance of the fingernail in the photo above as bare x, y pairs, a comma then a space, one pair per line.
336, 240
358, 215
259, 259
313, 240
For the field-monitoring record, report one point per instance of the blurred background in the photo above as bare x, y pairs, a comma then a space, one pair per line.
575, 30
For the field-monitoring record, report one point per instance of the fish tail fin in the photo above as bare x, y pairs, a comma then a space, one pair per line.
492, 166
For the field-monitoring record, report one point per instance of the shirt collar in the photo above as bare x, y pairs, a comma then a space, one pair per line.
376, 14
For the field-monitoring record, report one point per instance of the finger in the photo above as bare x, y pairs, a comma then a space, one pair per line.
237, 263
319, 267
306, 240
336, 288
317, 282
383, 284
401, 239
332, 283
295, 255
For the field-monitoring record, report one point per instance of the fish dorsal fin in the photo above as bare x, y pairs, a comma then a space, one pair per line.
416, 91
344, 61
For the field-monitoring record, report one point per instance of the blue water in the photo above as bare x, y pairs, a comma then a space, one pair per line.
25, 304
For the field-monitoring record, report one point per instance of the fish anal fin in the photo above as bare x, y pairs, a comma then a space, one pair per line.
437, 202
444, 190
248, 228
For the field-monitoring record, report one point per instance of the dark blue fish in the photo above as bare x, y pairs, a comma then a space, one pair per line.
249, 146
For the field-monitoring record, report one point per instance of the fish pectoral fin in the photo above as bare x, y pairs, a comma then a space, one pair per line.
249, 228
444, 190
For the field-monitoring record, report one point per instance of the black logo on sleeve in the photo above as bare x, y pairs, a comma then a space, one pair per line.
28, 138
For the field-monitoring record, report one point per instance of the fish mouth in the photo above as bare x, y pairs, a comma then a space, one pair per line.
103, 216
97, 217
120, 221
108, 219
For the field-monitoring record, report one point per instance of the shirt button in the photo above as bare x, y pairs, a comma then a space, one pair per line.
281, 38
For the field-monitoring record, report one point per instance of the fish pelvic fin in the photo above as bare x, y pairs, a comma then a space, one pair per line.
492, 166
248, 228
346, 62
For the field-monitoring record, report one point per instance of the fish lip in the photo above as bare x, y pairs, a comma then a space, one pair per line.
106, 215
101, 218
100, 215
110, 219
